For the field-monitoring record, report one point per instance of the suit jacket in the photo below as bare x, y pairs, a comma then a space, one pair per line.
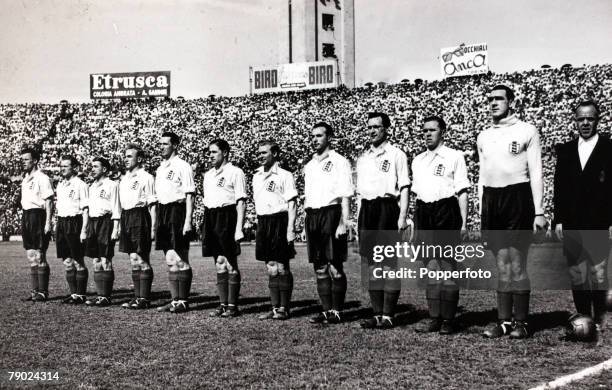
583, 197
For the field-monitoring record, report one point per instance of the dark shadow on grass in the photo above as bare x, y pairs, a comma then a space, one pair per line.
296, 306
542, 321
316, 308
476, 318
212, 302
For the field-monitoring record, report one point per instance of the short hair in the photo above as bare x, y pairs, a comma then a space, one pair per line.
221, 144
137, 148
104, 162
174, 139
32, 151
274, 148
73, 161
329, 130
385, 118
588, 103
441, 123
501, 87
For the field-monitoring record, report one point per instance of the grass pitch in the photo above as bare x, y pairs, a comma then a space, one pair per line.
116, 348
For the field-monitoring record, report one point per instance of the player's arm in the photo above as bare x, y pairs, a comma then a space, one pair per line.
463, 209
49, 206
461, 184
153, 213
241, 195
188, 212
534, 163
84, 205
559, 193
115, 211
292, 206
403, 183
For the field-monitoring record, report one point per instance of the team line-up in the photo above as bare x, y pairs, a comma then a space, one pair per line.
141, 208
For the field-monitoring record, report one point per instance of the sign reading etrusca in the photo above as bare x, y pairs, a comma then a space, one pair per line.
129, 85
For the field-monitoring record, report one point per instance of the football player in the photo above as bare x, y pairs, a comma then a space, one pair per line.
37, 204
72, 219
138, 216
224, 195
383, 186
275, 196
175, 188
328, 189
512, 194
440, 183
102, 229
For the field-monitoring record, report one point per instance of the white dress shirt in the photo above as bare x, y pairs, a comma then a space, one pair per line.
585, 148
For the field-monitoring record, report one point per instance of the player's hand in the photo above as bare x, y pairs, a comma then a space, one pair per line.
559, 231
464, 233
187, 228
83, 236
402, 224
239, 235
153, 234
290, 236
115, 235
539, 223
47, 227
340, 229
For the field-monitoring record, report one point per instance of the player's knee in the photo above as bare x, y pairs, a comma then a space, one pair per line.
272, 268
220, 262
68, 263
106, 264
336, 272
322, 271
282, 269
433, 265
578, 274
170, 259
598, 272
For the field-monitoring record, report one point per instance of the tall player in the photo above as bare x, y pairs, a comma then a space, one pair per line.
440, 183
139, 204
328, 189
511, 178
175, 190
383, 186
583, 211
224, 195
275, 196
102, 229
37, 203
72, 219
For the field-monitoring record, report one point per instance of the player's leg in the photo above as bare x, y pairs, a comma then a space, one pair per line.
34, 285
43, 274
504, 296
449, 298
222, 285
285, 287
97, 268
338, 291
598, 273
135, 265
184, 279
433, 296
272, 270
324, 289
521, 289
233, 287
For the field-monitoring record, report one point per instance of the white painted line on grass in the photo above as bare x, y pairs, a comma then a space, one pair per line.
564, 380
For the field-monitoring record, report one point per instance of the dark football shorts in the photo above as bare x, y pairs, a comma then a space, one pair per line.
99, 243
33, 229
323, 246
507, 217
218, 232
135, 235
377, 223
170, 222
68, 242
585, 245
271, 238
438, 223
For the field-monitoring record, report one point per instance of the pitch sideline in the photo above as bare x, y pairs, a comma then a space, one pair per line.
567, 379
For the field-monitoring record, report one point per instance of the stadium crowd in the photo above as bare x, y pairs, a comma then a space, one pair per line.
544, 97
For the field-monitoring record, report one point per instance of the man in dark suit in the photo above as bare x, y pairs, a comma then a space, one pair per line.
583, 210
